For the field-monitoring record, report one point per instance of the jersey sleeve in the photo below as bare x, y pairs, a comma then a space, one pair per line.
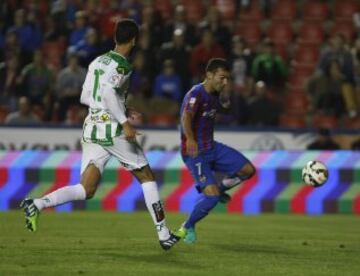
86, 90
193, 102
113, 84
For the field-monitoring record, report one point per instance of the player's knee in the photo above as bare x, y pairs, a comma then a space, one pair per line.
144, 174
251, 171
247, 171
90, 191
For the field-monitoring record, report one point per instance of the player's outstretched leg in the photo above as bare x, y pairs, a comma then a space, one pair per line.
155, 207
200, 211
229, 182
32, 207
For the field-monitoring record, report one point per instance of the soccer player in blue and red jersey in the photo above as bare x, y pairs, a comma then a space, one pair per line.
201, 153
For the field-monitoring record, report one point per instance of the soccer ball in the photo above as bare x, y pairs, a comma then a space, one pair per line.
315, 173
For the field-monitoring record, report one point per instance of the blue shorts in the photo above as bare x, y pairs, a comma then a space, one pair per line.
221, 158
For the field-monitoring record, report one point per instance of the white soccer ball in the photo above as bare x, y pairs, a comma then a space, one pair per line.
315, 173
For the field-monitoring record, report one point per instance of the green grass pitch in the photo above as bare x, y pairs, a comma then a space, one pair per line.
101, 243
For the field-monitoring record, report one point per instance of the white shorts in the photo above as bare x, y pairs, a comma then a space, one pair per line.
130, 155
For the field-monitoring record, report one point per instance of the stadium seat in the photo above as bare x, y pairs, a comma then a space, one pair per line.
297, 81
280, 33
311, 34
284, 10
296, 103
353, 123
252, 14
165, 8
292, 121
250, 32
324, 121
315, 11
4, 111
345, 9
163, 120
194, 10
345, 28
306, 57
282, 50
227, 8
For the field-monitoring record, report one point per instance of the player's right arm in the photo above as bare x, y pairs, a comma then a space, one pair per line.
191, 144
86, 89
116, 104
187, 119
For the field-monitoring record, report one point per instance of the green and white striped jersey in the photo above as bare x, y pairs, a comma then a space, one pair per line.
104, 91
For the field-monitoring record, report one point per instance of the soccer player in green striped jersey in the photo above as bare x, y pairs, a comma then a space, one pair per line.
107, 132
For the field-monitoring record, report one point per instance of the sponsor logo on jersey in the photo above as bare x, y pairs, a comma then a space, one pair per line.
105, 117
192, 101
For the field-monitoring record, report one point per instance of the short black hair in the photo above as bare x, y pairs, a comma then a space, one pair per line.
125, 31
217, 63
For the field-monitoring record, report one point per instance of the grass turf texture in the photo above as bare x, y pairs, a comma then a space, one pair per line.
100, 243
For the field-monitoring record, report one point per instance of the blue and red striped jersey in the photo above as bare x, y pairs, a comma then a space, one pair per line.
203, 107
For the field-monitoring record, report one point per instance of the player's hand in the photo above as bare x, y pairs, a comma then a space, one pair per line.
129, 132
192, 147
134, 117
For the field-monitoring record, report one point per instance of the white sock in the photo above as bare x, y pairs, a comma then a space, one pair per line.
60, 196
231, 182
155, 208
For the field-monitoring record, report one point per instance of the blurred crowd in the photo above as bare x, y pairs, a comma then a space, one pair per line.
294, 63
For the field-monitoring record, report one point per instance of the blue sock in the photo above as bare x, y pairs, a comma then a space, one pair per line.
201, 210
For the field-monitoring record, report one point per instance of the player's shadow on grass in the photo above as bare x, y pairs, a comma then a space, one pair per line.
250, 248
170, 258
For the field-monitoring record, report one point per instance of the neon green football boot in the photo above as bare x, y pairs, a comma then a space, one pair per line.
188, 235
31, 214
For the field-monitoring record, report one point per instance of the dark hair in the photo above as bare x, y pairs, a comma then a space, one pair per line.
217, 63
125, 31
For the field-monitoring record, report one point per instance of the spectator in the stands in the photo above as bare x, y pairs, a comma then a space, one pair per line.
110, 16
337, 51
28, 35
355, 145
12, 48
330, 93
69, 85
269, 67
324, 141
241, 59
261, 110
168, 83
24, 115
356, 57
53, 30
81, 28
179, 52
148, 51
36, 80
208, 48
180, 23
139, 81
221, 32
153, 24
9, 72
88, 49
134, 8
